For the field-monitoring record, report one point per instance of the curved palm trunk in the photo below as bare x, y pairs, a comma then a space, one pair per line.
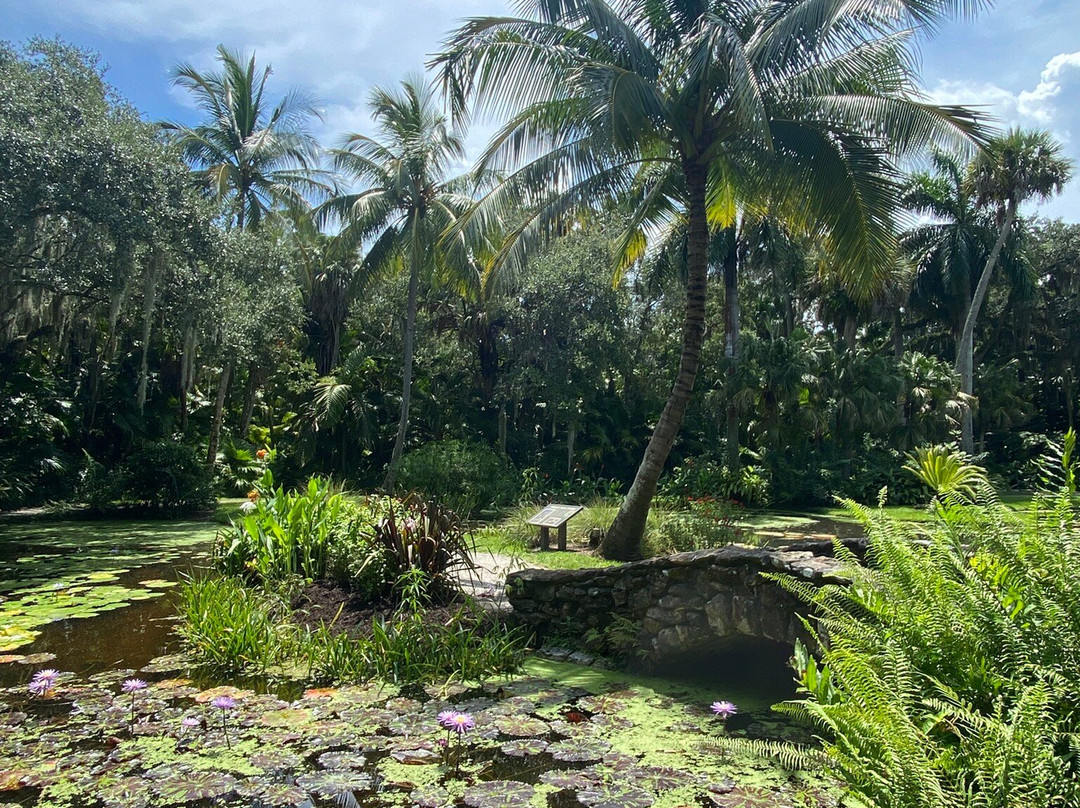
624, 537
965, 349
406, 365
731, 345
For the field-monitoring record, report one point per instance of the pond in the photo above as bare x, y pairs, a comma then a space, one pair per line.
67, 588
556, 735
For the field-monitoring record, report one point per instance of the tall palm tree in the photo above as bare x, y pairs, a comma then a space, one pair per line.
407, 200
1019, 166
700, 110
247, 154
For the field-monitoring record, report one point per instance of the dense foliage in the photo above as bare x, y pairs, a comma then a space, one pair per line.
154, 315
949, 667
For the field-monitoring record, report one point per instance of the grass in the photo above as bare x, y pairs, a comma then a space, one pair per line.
233, 629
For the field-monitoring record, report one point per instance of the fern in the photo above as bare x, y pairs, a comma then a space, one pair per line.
948, 669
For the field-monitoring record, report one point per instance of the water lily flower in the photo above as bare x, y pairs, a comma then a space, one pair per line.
460, 723
190, 722
134, 685
43, 681
445, 716
224, 703
724, 709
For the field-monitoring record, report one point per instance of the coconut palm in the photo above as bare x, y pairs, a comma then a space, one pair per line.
699, 110
247, 154
1019, 166
406, 199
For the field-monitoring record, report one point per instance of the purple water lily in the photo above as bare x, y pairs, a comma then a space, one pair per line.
224, 703
133, 685
43, 681
459, 723
724, 709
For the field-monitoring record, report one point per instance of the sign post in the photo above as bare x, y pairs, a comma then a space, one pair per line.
554, 516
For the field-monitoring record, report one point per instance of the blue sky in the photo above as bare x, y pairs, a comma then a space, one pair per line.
1018, 60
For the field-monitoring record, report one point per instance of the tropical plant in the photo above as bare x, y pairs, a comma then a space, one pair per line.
699, 112
422, 537
947, 471
1014, 168
283, 534
947, 667
248, 155
406, 200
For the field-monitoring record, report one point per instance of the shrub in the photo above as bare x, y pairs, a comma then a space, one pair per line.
165, 476
422, 536
465, 477
705, 477
949, 668
703, 524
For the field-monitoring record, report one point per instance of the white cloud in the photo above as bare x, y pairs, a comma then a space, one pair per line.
1061, 74
340, 50
1053, 104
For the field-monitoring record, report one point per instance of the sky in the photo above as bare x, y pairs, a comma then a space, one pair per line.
1017, 60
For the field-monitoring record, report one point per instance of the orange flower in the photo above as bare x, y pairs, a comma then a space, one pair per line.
253, 495
261, 454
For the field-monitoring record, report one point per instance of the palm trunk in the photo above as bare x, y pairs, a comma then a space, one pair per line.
624, 539
731, 346
219, 413
965, 349
407, 365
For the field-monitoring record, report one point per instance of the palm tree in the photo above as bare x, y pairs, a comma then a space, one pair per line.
699, 111
407, 200
1019, 166
248, 155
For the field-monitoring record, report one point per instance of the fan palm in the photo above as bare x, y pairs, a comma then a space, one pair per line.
699, 110
247, 154
406, 199
1014, 168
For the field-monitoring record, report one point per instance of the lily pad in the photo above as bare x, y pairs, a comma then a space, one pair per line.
333, 784
522, 726
158, 583
615, 795
579, 751
342, 760
184, 787
574, 781
275, 794
524, 747
499, 794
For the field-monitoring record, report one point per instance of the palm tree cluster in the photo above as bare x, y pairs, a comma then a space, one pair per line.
691, 151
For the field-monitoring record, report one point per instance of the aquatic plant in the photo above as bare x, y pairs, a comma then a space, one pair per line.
43, 682
133, 686
224, 704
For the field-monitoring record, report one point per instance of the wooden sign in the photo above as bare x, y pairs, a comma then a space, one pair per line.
554, 516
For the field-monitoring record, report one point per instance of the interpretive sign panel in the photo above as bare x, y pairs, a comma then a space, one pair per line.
554, 516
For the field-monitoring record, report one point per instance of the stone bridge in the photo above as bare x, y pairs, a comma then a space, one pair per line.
677, 605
